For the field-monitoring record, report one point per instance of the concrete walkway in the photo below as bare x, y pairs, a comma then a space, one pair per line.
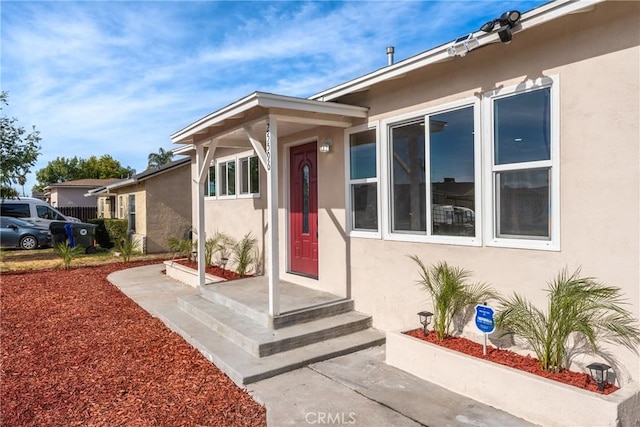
358, 389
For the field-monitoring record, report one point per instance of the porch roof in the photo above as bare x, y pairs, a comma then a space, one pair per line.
293, 114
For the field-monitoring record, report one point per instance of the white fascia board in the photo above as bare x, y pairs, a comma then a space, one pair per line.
119, 184
268, 100
535, 17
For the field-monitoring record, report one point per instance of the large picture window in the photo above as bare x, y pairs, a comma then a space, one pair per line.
363, 180
445, 152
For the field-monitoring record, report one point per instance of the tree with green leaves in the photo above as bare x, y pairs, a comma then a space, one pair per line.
62, 170
160, 158
19, 150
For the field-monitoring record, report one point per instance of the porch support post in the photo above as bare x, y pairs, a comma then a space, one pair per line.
272, 208
202, 167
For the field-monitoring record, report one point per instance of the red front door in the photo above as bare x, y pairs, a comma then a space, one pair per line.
303, 210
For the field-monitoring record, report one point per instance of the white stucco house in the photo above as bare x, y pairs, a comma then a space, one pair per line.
510, 160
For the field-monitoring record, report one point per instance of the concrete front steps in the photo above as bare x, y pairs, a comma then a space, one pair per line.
228, 323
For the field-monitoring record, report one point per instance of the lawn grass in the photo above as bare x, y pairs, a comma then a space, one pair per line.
46, 258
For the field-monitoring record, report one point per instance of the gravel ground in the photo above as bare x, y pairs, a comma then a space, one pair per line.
76, 352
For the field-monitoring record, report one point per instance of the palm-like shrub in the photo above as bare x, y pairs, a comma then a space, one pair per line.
578, 307
181, 247
450, 293
244, 253
67, 253
127, 247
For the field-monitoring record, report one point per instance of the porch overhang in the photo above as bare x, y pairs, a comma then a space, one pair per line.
293, 115
256, 122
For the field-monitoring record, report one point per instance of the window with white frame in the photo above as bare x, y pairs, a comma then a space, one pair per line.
524, 170
363, 180
226, 180
249, 175
443, 154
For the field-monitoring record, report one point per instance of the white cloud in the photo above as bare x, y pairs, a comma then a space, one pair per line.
119, 78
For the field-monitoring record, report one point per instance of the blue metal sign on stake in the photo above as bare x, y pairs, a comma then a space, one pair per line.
485, 323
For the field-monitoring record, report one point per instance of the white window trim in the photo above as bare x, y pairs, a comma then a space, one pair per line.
239, 177
554, 163
368, 234
385, 181
237, 157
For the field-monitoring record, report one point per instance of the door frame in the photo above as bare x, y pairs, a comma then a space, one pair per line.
286, 184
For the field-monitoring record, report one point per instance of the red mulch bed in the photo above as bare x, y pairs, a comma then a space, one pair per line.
513, 360
75, 351
214, 270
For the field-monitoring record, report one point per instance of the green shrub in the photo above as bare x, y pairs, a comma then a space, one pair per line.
450, 294
102, 236
182, 248
244, 253
67, 253
127, 248
578, 307
116, 229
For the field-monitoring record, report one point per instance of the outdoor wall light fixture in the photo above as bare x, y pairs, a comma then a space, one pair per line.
425, 319
599, 372
326, 144
507, 21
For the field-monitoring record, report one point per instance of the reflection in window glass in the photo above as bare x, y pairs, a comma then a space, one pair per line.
362, 152
231, 178
254, 175
408, 177
212, 181
522, 130
523, 203
363, 180
364, 202
451, 160
244, 173
305, 199
223, 179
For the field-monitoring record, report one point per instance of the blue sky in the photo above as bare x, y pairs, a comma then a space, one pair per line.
119, 77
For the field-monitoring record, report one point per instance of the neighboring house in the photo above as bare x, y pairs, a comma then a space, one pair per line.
72, 193
156, 202
512, 161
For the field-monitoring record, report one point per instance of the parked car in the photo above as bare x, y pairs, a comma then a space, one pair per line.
15, 232
33, 210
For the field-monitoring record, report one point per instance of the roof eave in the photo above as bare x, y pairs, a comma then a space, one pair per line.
535, 17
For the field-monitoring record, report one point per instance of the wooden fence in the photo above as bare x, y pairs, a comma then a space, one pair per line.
83, 213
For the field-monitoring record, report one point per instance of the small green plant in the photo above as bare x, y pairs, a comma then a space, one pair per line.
578, 307
244, 253
218, 243
450, 294
67, 253
224, 246
181, 247
127, 247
